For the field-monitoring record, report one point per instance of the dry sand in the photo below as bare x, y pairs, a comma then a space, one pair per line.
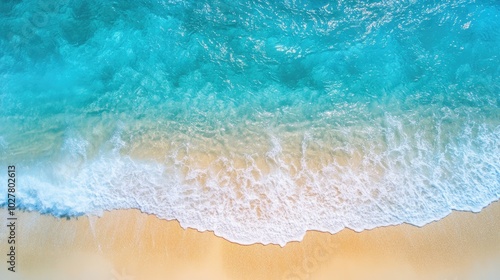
127, 244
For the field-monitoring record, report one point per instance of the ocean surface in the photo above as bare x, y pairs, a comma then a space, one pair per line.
258, 120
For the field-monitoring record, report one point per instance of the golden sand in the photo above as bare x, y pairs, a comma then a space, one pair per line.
130, 245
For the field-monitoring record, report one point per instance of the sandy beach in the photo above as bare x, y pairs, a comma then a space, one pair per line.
128, 244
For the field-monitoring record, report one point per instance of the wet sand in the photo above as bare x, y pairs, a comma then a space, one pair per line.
128, 244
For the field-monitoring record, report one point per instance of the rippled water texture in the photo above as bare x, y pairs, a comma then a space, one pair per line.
258, 120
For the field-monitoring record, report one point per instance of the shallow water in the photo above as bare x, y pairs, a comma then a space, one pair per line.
256, 119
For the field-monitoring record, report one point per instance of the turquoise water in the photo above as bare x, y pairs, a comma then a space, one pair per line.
258, 120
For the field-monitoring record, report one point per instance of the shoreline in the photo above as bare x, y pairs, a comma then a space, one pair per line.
452, 211
175, 220
147, 247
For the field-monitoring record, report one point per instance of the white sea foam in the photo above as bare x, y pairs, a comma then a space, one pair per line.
412, 180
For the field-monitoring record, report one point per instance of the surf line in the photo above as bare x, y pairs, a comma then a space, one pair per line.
11, 218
